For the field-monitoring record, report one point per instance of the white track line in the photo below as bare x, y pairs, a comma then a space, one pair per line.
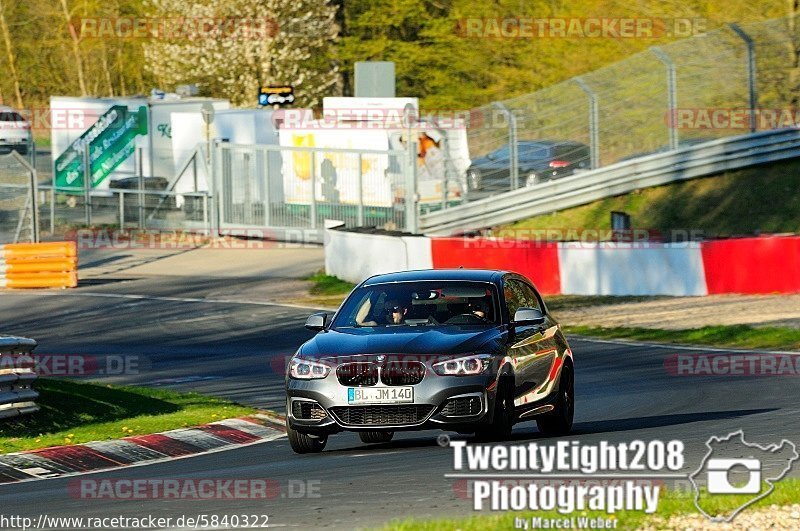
172, 299
633, 343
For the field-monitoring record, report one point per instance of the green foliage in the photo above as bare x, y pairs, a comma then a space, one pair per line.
719, 206
75, 412
328, 285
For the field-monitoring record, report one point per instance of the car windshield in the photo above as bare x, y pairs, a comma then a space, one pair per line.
424, 303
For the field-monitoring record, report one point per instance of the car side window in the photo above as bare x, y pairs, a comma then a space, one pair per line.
530, 298
520, 295
514, 297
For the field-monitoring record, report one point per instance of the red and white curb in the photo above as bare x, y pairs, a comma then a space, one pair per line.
97, 456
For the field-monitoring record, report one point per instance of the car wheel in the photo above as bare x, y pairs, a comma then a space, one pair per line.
503, 418
375, 436
303, 443
559, 421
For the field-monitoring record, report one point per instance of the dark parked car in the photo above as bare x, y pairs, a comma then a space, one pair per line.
472, 351
539, 161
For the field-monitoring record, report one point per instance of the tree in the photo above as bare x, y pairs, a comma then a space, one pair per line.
287, 42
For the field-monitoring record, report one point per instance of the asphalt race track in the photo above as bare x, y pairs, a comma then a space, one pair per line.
229, 348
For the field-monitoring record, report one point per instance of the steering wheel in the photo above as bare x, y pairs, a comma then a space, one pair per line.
466, 318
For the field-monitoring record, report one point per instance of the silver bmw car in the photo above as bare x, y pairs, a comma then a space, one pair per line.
471, 351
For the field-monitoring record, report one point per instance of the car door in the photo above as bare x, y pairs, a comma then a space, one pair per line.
533, 348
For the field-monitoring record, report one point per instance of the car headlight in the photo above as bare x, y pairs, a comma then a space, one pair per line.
301, 369
466, 366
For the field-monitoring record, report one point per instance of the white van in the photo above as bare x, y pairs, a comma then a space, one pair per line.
15, 132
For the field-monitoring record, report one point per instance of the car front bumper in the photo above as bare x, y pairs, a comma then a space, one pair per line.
429, 409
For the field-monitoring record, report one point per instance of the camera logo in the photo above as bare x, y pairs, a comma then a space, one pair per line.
735, 474
721, 482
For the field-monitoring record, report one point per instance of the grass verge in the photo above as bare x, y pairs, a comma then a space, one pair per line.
740, 336
77, 412
322, 284
720, 205
671, 503
326, 291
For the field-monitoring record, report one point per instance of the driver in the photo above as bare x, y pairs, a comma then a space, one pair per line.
395, 311
479, 308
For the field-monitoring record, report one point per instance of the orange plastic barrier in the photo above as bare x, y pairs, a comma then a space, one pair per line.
39, 265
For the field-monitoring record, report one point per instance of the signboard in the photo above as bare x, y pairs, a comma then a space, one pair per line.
111, 141
276, 95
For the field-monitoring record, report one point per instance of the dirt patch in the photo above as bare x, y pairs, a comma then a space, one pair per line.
690, 312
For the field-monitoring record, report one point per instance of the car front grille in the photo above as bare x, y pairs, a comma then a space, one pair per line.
305, 410
462, 406
382, 415
357, 374
402, 373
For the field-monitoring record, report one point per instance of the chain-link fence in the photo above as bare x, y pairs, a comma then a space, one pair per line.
730, 81
18, 198
281, 187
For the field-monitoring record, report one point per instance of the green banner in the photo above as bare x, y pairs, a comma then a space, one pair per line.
111, 140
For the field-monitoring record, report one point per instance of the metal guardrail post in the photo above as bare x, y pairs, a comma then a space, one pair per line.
313, 189
513, 159
672, 95
34, 204
122, 210
360, 218
87, 185
594, 122
751, 74
267, 200
215, 189
412, 214
52, 210
141, 188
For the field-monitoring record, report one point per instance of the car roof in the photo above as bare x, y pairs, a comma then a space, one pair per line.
479, 275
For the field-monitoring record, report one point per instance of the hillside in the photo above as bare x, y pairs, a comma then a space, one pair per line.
757, 200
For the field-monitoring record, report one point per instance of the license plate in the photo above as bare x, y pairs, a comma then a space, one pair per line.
380, 395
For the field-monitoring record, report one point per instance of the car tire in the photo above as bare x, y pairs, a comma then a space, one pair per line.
559, 421
374, 437
303, 443
503, 418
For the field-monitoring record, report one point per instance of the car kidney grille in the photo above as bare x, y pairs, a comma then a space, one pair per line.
358, 374
462, 406
402, 373
381, 415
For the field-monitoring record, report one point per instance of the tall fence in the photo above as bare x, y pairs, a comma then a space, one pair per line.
298, 188
18, 197
734, 80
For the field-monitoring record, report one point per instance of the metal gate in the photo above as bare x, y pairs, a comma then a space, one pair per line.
288, 193
18, 200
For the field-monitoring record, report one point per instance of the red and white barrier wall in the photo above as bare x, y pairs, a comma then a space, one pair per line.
746, 265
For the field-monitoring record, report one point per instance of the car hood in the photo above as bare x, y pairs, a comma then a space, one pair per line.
403, 340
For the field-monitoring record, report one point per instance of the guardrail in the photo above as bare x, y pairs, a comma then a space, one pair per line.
17, 396
39, 265
652, 170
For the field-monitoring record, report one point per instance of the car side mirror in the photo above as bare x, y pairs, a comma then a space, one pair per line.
528, 316
317, 321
